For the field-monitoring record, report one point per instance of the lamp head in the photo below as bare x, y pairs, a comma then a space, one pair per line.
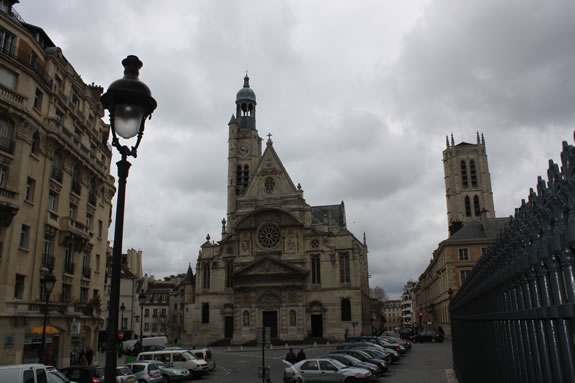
129, 102
49, 281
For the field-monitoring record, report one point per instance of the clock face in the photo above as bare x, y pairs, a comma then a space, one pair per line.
244, 149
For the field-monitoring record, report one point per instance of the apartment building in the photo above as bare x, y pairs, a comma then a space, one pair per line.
55, 198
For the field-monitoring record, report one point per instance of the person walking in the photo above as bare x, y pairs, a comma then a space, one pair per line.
89, 355
291, 356
300, 355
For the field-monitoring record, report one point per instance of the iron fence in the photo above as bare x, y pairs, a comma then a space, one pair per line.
513, 318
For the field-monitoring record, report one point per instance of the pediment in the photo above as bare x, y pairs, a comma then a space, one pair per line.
269, 266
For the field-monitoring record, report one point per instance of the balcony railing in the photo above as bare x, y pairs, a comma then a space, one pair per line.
86, 272
47, 261
23, 56
69, 268
10, 95
7, 145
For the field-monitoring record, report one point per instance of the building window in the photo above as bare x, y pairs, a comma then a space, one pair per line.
163, 314
76, 187
473, 173
38, 96
269, 185
30, 186
246, 318
59, 116
345, 310
229, 275
476, 206
7, 42
8, 78
89, 221
467, 207
155, 314
33, 60
154, 327
86, 270
53, 198
24, 236
6, 134
464, 274
68, 259
73, 211
98, 263
206, 313
100, 227
292, 318
35, 148
242, 178
146, 327
344, 269
56, 171
147, 313
315, 270
269, 236
464, 254
484, 251
464, 180
92, 191
84, 294
206, 275
48, 252
3, 175
19, 286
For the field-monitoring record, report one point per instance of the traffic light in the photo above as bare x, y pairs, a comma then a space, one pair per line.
420, 315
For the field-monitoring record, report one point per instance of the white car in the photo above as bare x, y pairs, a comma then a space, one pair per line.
324, 370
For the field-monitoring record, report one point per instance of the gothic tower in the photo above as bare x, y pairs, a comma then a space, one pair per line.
467, 182
245, 148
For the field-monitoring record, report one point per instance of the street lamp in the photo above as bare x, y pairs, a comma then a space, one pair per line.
142, 299
48, 282
122, 308
129, 103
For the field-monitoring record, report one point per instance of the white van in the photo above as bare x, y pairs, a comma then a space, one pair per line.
177, 358
153, 343
20, 373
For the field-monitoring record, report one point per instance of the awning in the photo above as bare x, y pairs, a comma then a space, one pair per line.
49, 330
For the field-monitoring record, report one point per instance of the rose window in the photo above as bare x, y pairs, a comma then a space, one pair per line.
269, 236
315, 243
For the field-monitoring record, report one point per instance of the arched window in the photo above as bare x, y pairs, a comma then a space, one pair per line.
206, 313
242, 178
476, 206
345, 309
467, 207
246, 318
473, 173
464, 181
292, 318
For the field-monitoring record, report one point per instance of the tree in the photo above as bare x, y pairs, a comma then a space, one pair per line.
378, 293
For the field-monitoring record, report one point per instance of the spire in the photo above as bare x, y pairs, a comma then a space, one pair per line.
233, 120
447, 142
270, 142
478, 140
246, 81
452, 141
189, 275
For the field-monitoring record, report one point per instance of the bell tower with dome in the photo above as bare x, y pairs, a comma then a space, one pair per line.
244, 145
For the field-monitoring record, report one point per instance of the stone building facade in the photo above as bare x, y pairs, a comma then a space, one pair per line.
280, 263
55, 197
472, 227
393, 314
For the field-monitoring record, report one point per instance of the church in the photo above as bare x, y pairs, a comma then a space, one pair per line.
281, 263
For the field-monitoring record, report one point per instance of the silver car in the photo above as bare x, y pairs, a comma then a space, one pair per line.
324, 370
171, 374
146, 372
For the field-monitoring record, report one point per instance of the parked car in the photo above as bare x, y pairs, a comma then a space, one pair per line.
324, 370
171, 374
365, 357
146, 372
428, 336
402, 342
205, 354
177, 358
378, 341
23, 373
350, 361
405, 332
392, 355
124, 375
84, 374
55, 376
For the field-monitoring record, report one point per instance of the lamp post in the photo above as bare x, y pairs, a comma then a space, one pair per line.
129, 103
142, 300
122, 308
48, 282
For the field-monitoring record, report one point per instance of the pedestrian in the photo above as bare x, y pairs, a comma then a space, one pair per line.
83, 361
89, 355
300, 355
291, 356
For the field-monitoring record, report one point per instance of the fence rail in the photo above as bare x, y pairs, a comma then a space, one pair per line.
513, 319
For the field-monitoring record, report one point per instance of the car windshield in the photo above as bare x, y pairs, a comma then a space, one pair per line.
138, 367
123, 371
188, 356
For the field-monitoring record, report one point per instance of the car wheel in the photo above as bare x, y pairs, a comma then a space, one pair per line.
351, 379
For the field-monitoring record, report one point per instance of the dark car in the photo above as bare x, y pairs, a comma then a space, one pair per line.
406, 333
402, 342
84, 374
428, 336
351, 361
365, 357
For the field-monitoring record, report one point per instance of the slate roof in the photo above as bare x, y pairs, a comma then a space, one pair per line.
473, 230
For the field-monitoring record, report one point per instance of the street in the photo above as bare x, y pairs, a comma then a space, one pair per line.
426, 362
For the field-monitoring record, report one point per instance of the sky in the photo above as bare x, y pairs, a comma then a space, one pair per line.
358, 95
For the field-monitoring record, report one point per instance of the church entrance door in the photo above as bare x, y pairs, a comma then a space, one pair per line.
228, 327
270, 319
317, 326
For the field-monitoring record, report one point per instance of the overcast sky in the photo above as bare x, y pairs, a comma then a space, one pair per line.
358, 95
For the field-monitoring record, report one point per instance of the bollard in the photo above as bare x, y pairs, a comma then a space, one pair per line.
315, 344
229, 348
241, 348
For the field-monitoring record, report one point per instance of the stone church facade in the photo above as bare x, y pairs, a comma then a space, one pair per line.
280, 263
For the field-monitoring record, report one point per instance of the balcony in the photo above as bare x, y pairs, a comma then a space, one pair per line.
73, 231
8, 206
86, 272
7, 145
23, 57
69, 268
11, 96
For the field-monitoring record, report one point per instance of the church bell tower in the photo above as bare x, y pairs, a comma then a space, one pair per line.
245, 148
467, 182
